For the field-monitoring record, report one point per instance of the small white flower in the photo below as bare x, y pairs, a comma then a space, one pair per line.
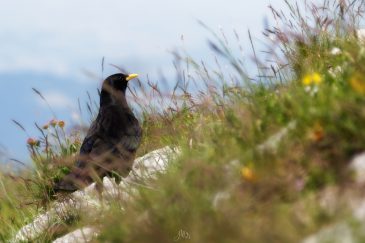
311, 90
335, 51
307, 89
315, 90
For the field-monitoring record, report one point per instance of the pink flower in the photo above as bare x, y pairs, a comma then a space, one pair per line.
53, 122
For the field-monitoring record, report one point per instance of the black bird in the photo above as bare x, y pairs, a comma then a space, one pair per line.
112, 140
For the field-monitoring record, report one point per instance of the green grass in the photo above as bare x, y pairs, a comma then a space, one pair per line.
223, 188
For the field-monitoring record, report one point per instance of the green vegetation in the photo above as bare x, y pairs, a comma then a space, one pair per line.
224, 187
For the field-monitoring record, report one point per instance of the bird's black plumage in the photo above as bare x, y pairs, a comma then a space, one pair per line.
112, 139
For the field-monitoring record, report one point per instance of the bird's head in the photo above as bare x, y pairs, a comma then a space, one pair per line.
114, 87
117, 82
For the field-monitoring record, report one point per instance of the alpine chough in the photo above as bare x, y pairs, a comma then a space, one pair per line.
111, 142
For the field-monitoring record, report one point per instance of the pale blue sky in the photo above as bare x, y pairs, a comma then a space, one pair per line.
50, 44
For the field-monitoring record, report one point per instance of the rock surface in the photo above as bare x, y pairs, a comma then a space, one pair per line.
85, 234
88, 200
343, 231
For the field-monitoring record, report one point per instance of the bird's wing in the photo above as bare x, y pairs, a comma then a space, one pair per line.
132, 138
105, 135
91, 147
88, 143
96, 142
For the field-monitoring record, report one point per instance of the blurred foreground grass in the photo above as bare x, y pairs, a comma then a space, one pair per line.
225, 187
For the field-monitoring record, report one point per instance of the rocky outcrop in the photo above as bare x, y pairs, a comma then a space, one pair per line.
89, 200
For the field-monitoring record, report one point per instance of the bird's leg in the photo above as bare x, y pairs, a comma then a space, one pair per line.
116, 176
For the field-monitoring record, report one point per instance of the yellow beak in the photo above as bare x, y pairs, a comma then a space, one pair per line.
131, 76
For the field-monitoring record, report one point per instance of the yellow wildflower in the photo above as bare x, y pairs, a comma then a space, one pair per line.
307, 80
312, 78
316, 77
45, 126
248, 174
358, 83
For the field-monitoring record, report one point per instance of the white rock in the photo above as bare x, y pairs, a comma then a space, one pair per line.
338, 233
357, 165
34, 229
358, 211
219, 198
88, 199
272, 143
82, 235
361, 34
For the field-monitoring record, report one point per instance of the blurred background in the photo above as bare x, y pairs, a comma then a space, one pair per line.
57, 47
